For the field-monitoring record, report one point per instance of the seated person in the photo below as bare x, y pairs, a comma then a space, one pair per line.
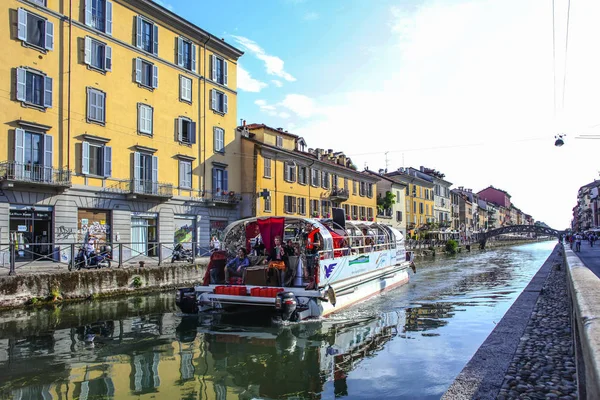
236, 266
277, 258
289, 248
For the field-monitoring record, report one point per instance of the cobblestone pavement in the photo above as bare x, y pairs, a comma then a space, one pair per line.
543, 366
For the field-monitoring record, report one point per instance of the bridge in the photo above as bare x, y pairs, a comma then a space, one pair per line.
543, 230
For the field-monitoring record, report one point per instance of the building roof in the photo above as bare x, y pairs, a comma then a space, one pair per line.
275, 130
496, 189
385, 178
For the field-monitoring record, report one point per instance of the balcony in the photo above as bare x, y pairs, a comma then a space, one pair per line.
339, 194
140, 187
225, 198
14, 174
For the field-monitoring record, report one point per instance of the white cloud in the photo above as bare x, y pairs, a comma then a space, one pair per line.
247, 83
273, 64
260, 102
166, 5
276, 83
283, 115
301, 105
311, 16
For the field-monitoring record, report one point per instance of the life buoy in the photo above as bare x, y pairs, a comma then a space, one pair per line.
331, 295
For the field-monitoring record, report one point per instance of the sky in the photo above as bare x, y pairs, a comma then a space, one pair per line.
474, 89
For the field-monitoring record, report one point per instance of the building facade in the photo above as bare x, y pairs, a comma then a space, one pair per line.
120, 122
442, 208
395, 214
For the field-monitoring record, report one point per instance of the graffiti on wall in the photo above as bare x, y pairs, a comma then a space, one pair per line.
64, 233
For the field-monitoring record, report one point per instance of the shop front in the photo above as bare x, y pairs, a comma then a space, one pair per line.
30, 230
217, 227
93, 224
185, 230
144, 234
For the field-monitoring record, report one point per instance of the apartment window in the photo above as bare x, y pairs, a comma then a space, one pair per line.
34, 88
96, 106
370, 190
97, 54
146, 35
289, 204
301, 206
218, 101
33, 155
185, 174
302, 178
314, 177
363, 213
267, 168
326, 208
145, 173
370, 214
325, 180
219, 139
407, 190
40, 2
414, 207
219, 175
278, 141
96, 159
354, 212
145, 119
290, 172
399, 216
146, 73
185, 88
186, 54
219, 70
186, 130
354, 185
420, 208
268, 204
363, 190
98, 15
314, 208
347, 210
35, 30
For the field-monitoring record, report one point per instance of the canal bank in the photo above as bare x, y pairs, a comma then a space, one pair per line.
547, 345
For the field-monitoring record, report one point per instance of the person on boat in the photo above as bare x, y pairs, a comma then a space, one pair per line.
237, 265
368, 242
258, 246
313, 246
277, 260
289, 248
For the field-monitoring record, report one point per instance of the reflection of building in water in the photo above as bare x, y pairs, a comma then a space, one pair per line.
428, 316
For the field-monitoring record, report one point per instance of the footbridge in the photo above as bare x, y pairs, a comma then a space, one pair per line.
540, 230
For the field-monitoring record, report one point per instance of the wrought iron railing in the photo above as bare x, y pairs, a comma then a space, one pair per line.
13, 171
151, 188
339, 193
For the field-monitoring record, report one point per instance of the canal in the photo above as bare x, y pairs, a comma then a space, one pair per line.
408, 343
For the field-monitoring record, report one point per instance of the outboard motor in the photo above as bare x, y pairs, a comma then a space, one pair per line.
185, 299
285, 304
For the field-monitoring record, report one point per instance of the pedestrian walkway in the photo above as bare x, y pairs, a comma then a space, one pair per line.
590, 256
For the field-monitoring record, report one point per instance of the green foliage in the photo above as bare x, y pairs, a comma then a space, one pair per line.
385, 202
34, 300
451, 246
55, 295
136, 282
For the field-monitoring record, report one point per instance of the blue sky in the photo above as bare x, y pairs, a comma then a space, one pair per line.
462, 86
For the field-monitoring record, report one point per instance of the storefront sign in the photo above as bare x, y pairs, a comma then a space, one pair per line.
144, 215
84, 221
22, 228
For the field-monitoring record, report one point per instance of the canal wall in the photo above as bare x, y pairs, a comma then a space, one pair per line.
19, 290
584, 290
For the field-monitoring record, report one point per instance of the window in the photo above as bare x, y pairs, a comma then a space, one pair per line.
96, 159
145, 118
354, 184
147, 35
420, 208
185, 174
278, 141
35, 30
363, 214
146, 73
334, 181
414, 207
346, 184
267, 171
363, 190
96, 105
97, 54
354, 212
185, 88
399, 216
219, 181
370, 214
370, 190
301, 206
302, 178
219, 70
40, 2
314, 177
33, 155
218, 101
314, 208
347, 210
268, 204
186, 130
326, 208
34, 88
289, 204
290, 172
219, 139
407, 190
186, 54
98, 15
145, 173
325, 180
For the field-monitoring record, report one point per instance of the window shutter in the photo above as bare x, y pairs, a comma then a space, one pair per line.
140, 118
181, 173
213, 60
213, 98
108, 17
90, 103
85, 158
21, 85
108, 58
179, 129
155, 76
137, 171
225, 184
180, 61
224, 103
138, 36
48, 151
22, 29
154, 169
107, 171
47, 92
193, 57
155, 39
87, 52
138, 70
224, 72
19, 146
49, 35
294, 208
214, 180
88, 12
192, 133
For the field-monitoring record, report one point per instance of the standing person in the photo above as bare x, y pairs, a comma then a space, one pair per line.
578, 242
214, 244
277, 260
258, 246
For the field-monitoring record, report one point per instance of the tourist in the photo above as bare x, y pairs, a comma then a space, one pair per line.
236, 266
215, 245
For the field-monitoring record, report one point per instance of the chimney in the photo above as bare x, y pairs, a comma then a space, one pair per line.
280, 129
244, 122
318, 153
381, 171
422, 168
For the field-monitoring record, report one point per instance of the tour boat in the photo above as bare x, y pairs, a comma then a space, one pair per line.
355, 261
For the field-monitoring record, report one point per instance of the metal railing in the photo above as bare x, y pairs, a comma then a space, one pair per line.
33, 173
15, 255
152, 188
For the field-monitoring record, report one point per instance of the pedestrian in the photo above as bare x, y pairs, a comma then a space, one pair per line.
578, 242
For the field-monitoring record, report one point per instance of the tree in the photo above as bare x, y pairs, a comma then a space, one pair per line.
385, 202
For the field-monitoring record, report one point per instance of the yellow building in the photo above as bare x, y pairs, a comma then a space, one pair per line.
419, 197
280, 176
120, 120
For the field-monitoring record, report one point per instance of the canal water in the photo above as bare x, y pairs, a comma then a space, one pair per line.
408, 343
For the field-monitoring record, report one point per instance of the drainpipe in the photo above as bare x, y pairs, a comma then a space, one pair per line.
69, 90
204, 120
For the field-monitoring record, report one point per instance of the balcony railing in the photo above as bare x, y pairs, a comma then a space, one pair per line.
225, 197
151, 188
339, 194
12, 172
